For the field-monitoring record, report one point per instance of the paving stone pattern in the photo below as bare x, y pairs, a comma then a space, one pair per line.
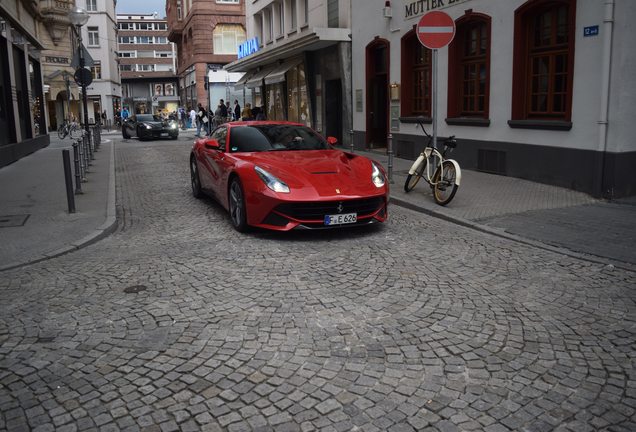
176, 322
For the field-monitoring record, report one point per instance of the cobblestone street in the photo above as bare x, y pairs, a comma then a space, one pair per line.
177, 322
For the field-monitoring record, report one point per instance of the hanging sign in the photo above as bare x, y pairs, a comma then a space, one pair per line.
248, 47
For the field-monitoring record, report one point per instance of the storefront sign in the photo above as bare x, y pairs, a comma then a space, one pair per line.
56, 60
420, 7
248, 47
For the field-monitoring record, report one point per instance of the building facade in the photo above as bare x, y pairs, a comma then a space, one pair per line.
207, 34
147, 62
536, 89
297, 61
22, 121
99, 36
61, 94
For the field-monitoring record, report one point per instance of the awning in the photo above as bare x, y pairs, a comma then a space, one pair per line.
241, 83
278, 74
257, 79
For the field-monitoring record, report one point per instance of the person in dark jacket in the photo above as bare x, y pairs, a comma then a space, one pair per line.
223, 108
237, 110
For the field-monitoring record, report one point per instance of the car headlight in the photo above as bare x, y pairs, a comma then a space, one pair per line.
377, 177
173, 125
271, 181
148, 126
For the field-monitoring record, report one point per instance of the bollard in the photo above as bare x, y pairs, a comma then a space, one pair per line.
78, 175
390, 153
68, 179
82, 153
90, 147
351, 137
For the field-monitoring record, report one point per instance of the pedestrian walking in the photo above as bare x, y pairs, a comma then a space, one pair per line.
237, 110
193, 117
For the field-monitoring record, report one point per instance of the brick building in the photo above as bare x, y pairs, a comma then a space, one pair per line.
147, 64
207, 35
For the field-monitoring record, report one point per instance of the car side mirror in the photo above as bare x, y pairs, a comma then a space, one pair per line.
332, 140
212, 144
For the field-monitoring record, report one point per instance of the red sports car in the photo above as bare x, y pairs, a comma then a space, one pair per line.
282, 175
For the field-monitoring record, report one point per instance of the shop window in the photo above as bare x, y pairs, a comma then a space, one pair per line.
297, 98
543, 61
275, 109
169, 90
469, 68
227, 38
416, 77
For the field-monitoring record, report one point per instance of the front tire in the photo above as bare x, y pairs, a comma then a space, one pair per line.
61, 133
124, 133
236, 199
195, 181
413, 179
445, 187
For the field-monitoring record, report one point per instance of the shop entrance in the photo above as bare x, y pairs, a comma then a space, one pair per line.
377, 107
333, 109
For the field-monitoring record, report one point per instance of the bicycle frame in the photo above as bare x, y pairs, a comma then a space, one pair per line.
430, 153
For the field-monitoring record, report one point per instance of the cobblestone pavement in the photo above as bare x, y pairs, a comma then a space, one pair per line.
176, 322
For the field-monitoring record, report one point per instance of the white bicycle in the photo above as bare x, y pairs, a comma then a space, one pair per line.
445, 178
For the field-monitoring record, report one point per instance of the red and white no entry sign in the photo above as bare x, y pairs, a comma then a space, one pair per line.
435, 30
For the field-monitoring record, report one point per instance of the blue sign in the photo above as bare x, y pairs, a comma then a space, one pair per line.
248, 47
590, 31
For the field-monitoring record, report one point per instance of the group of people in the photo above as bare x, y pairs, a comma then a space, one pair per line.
206, 120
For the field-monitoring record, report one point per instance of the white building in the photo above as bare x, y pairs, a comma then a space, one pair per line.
99, 36
537, 89
297, 60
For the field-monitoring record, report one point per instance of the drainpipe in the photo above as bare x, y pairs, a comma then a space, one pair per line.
606, 66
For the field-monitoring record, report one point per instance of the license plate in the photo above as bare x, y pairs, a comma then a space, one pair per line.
163, 134
340, 219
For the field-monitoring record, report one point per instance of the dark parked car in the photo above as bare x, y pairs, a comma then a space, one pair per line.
148, 126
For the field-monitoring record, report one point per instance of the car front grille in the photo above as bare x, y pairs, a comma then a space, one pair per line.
317, 210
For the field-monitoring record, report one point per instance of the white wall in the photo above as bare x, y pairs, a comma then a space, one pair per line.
368, 22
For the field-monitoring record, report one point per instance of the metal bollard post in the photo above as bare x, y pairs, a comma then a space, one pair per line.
78, 175
82, 151
90, 146
390, 153
351, 143
98, 139
87, 157
68, 179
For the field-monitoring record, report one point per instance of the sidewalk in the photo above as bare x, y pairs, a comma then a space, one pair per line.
35, 223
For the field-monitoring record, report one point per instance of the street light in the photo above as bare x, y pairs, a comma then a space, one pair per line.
78, 18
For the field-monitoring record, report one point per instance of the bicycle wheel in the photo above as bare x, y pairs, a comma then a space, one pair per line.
445, 187
75, 132
61, 132
412, 179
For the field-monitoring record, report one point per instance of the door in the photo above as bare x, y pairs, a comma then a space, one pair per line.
333, 109
377, 70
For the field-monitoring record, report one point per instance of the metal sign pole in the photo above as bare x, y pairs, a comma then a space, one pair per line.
434, 91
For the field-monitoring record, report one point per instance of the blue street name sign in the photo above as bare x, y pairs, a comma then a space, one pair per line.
590, 31
248, 47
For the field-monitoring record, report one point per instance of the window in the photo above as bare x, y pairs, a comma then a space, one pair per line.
228, 1
281, 19
125, 26
161, 26
169, 90
126, 39
158, 89
145, 67
163, 54
126, 67
227, 38
297, 96
144, 26
469, 68
292, 14
306, 11
332, 13
93, 36
91, 5
127, 54
543, 61
161, 39
416, 77
96, 70
144, 39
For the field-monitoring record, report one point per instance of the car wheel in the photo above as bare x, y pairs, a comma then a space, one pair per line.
194, 178
124, 133
139, 135
236, 198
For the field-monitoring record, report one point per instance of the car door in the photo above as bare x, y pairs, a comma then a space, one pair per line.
213, 161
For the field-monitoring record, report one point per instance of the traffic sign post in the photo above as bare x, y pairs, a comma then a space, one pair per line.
435, 30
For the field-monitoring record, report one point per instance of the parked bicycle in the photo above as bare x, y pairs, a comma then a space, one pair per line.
69, 129
445, 178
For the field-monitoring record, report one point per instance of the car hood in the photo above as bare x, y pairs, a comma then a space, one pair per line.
328, 173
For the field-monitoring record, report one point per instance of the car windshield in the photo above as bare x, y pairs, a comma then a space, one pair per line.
148, 118
274, 137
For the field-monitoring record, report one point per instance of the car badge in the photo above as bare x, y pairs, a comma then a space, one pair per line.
337, 190
340, 207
